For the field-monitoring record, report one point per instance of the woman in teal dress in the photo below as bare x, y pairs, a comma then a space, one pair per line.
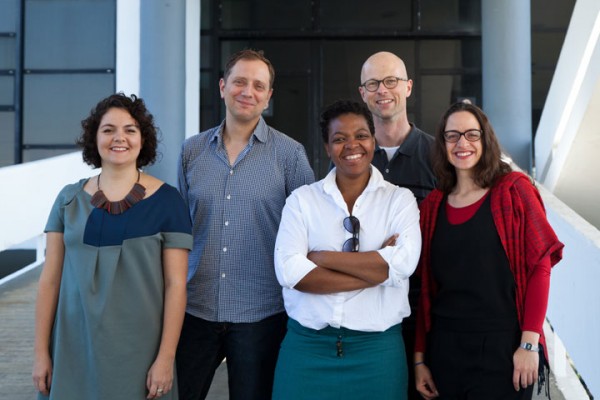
112, 293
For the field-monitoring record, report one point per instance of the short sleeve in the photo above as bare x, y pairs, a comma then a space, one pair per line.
177, 228
56, 219
177, 240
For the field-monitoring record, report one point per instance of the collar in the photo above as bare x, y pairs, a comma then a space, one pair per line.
376, 181
259, 133
409, 146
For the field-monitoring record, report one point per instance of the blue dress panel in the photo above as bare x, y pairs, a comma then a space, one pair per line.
108, 323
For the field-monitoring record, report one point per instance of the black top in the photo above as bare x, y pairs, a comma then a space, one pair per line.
476, 288
410, 167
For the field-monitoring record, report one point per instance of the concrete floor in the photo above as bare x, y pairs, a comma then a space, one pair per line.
17, 304
218, 389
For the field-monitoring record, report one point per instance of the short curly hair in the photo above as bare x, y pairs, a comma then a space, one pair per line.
137, 109
343, 107
490, 166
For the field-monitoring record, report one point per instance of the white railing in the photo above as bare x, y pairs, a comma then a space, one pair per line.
28, 192
574, 297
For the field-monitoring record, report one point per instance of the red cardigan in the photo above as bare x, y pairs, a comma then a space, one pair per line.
524, 231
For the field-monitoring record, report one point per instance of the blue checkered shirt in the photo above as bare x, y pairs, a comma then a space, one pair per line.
236, 211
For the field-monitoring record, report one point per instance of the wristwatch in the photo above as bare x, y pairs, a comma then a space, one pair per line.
529, 347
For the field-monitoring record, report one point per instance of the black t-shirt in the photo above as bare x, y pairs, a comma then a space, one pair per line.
411, 165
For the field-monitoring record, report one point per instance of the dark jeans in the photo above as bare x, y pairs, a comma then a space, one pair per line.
251, 350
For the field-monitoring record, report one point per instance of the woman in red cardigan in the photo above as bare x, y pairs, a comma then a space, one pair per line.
485, 267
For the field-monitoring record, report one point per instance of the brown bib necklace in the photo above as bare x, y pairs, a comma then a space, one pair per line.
136, 194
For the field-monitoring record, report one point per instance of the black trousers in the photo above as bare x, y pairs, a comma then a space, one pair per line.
408, 333
474, 365
251, 350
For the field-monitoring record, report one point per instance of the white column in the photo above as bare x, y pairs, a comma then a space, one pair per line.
192, 67
128, 47
163, 78
506, 51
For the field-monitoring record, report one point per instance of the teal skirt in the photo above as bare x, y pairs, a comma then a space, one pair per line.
332, 363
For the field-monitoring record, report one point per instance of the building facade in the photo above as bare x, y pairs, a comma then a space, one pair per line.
59, 57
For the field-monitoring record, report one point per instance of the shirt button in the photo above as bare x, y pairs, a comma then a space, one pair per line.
223, 275
224, 249
387, 171
228, 197
230, 172
226, 223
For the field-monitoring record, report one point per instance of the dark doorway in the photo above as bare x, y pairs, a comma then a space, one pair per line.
318, 47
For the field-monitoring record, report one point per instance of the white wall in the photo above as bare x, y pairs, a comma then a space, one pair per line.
579, 181
573, 308
575, 77
29, 191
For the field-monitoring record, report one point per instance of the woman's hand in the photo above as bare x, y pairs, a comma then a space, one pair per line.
316, 256
42, 373
160, 378
391, 241
424, 382
526, 362
526, 365
45, 310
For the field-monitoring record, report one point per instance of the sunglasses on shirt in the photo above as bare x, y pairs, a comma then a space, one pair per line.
352, 225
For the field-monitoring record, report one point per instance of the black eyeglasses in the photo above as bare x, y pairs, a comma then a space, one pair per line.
352, 225
472, 135
389, 82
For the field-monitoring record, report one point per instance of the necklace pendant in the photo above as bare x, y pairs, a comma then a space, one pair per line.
135, 195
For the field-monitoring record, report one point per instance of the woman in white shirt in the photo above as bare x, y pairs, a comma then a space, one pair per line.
345, 249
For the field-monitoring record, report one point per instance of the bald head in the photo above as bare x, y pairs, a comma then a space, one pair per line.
381, 65
388, 104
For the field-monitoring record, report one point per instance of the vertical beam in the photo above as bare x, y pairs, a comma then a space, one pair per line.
162, 78
18, 82
128, 47
192, 67
158, 58
506, 51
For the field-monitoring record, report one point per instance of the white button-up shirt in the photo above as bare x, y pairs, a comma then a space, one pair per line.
312, 220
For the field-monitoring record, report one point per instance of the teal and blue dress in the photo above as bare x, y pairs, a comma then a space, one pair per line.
109, 317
